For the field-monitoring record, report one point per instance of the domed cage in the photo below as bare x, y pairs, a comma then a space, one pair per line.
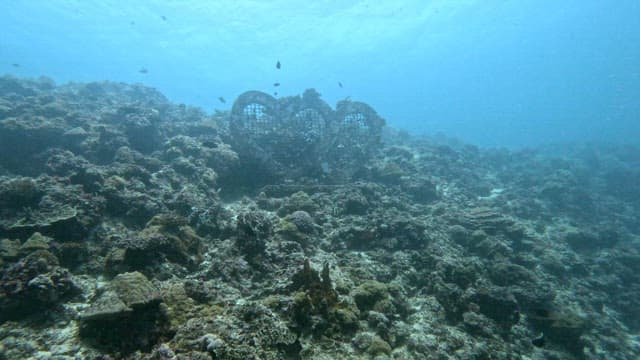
302, 136
357, 121
356, 136
254, 115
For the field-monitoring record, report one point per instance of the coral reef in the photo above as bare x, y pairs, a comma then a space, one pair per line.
135, 228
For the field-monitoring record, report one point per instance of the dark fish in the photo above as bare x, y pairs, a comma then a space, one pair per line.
222, 100
276, 84
278, 65
15, 65
275, 93
143, 71
164, 18
132, 23
539, 341
339, 84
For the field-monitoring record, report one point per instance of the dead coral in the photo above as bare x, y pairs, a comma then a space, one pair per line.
18, 193
167, 237
34, 283
127, 316
316, 308
253, 230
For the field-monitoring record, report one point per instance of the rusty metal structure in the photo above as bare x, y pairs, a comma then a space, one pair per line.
302, 136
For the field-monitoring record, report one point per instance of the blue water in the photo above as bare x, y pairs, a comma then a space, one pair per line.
492, 73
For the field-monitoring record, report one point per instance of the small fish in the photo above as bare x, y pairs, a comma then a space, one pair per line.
222, 100
164, 18
275, 93
143, 71
276, 84
15, 65
339, 84
132, 23
278, 65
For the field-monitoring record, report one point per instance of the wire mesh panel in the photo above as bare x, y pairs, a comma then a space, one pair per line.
356, 122
257, 121
254, 114
310, 125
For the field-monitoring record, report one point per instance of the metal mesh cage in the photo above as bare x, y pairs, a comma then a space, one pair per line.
302, 134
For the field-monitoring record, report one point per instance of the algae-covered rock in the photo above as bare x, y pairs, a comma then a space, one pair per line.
354, 203
36, 241
386, 299
420, 189
126, 316
378, 346
299, 201
27, 135
124, 293
34, 283
55, 208
388, 172
9, 249
253, 231
19, 192
289, 231
167, 237
369, 294
497, 304
246, 330
298, 227
45, 218
487, 219
302, 220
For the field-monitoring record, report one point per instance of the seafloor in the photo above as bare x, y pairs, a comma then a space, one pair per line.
131, 227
